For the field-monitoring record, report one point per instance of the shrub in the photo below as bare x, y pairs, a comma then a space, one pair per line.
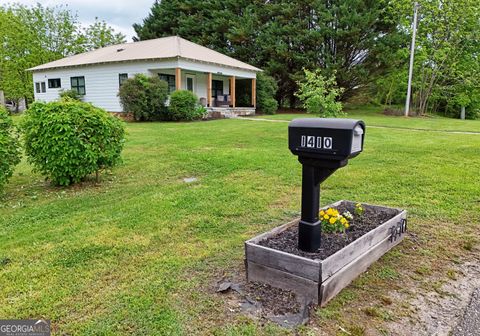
66, 141
319, 94
69, 94
9, 147
144, 97
184, 106
266, 89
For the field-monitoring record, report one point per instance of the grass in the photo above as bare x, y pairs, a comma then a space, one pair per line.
141, 252
373, 117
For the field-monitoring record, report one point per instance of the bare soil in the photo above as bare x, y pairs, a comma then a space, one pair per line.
372, 217
273, 300
264, 302
438, 311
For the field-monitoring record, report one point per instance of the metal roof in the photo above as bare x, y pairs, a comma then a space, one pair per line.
161, 48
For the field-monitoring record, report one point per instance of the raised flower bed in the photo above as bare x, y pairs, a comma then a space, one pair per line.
274, 257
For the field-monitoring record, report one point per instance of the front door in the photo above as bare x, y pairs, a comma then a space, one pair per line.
190, 83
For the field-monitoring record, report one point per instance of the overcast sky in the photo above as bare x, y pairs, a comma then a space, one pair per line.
120, 14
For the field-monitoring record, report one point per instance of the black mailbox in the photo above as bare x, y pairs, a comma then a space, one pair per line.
322, 145
326, 139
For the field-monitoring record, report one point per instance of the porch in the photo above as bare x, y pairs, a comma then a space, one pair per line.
229, 112
225, 95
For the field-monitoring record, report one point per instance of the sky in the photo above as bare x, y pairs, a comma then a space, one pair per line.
119, 14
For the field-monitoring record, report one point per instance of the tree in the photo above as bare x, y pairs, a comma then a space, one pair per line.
448, 42
266, 89
30, 36
348, 37
99, 35
447, 54
319, 94
10, 152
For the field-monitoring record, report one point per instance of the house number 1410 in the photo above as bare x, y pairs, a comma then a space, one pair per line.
309, 141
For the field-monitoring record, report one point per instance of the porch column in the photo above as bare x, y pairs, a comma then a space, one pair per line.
209, 89
254, 92
232, 89
178, 79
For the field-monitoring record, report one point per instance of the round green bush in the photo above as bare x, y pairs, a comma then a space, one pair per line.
145, 97
66, 141
184, 106
9, 147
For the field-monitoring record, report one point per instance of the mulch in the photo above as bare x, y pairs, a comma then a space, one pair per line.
372, 217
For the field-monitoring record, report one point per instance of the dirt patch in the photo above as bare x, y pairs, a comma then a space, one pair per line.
273, 300
262, 301
438, 311
372, 217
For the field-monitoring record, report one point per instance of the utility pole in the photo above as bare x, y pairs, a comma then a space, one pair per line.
412, 57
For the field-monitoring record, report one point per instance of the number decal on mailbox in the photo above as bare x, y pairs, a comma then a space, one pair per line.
327, 143
310, 142
316, 142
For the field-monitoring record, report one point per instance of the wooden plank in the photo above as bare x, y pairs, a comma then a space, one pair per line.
232, 90
305, 288
287, 262
209, 89
336, 261
254, 92
178, 79
346, 275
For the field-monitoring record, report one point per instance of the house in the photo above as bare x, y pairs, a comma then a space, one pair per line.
226, 86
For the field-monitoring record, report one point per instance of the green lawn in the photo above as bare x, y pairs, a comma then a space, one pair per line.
140, 253
373, 117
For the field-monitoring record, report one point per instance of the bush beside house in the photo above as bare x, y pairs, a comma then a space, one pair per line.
184, 106
9, 147
68, 140
70, 94
266, 89
145, 97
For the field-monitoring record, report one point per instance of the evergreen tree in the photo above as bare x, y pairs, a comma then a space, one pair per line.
349, 37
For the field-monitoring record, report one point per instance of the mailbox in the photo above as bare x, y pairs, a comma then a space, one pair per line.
326, 139
322, 145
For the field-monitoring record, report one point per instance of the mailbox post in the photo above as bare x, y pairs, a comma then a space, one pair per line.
322, 145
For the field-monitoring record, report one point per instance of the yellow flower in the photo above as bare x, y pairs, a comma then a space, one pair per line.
326, 217
330, 212
347, 225
333, 220
343, 221
322, 213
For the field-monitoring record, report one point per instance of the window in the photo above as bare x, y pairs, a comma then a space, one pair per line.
217, 88
40, 87
189, 83
54, 83
122, 78
78, 84
170, 79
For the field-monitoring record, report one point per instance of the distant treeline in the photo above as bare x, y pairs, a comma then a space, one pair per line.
364, 42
